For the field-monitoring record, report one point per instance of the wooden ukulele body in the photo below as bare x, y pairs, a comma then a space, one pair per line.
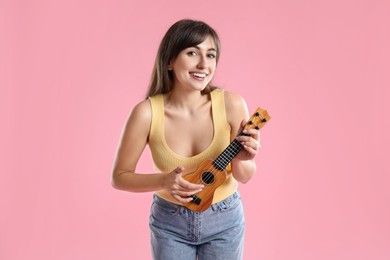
211, 178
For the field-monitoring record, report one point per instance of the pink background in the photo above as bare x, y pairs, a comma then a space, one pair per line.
71, 71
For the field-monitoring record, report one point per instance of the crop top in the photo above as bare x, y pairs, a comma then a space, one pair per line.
166, 160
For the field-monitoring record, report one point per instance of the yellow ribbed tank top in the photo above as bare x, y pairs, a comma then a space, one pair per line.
166, 160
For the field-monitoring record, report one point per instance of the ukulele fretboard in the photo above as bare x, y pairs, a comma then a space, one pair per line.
228, 154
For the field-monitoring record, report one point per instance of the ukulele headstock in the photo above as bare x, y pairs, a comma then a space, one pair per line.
258, 119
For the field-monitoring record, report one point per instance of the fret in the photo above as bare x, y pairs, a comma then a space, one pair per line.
228, 154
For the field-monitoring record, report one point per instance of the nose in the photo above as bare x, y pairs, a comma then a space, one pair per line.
203, 63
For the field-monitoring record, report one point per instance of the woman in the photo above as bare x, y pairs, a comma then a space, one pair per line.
185, 120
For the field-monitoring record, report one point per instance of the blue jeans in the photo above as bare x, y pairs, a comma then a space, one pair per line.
178, 233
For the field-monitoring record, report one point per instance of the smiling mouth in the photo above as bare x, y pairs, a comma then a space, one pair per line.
199, 75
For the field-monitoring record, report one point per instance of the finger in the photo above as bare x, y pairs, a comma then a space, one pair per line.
249, 141
179, 169
185, 194
255, 133
243, 138
252, 144
181, 199
242, 126
250, 150
243, 123
186, 185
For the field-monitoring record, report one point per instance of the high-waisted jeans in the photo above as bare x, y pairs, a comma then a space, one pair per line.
178, 233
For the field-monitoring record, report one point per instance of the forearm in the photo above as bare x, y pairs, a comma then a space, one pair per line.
243, 171
136, 182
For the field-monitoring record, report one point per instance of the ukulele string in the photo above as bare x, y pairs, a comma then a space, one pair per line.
235, 150
213, 170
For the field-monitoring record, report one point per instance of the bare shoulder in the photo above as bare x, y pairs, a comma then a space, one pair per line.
142, 111
235, 106
140, 118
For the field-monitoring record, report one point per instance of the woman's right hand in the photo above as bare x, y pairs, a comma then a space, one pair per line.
179, 188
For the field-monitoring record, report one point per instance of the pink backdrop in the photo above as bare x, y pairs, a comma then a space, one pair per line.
71, 71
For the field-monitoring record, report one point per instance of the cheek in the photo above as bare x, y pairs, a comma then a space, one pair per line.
213, 69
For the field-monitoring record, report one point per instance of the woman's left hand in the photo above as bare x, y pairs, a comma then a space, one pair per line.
251, 143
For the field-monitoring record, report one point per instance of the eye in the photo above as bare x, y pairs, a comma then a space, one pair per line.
211, 56
191, 53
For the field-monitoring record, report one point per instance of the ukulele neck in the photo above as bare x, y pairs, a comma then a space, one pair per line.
257, 121
228, 154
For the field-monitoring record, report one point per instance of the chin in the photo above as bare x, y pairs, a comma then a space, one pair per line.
202, 87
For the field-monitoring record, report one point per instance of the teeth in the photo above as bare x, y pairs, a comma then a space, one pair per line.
199, 75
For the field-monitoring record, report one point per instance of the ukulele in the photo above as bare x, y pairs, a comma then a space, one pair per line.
212, 174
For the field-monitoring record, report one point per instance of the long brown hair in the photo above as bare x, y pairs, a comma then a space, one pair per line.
181, 35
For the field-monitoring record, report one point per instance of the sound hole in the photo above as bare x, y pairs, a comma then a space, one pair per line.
207, 177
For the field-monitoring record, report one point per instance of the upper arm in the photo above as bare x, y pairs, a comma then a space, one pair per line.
134, 138
236, 111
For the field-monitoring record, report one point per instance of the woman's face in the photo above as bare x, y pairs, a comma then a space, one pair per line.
194, 67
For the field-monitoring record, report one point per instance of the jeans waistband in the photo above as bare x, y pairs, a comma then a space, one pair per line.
219, 205
226, 202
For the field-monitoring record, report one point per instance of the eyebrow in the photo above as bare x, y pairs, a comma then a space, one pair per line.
211, 49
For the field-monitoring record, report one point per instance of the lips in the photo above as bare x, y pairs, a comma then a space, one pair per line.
198, 75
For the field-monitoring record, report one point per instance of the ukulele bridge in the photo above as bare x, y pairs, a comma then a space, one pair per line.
196, 199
